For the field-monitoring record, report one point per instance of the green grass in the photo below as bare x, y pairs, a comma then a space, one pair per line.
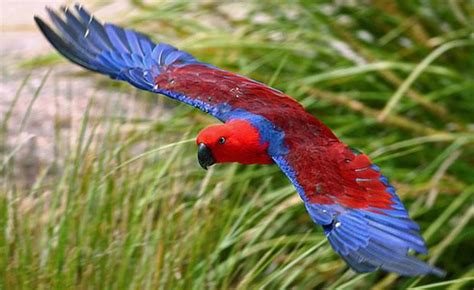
131, 209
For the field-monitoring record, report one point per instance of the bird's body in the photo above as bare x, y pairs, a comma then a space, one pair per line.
345, 193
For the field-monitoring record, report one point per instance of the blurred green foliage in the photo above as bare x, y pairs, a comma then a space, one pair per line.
393, 78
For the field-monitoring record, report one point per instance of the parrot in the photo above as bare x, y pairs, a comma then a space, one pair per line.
345, 193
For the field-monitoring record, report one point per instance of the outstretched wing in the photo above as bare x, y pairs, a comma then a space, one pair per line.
130, 56
362, 216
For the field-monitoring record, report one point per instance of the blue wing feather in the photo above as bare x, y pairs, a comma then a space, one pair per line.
132, 39
119, 44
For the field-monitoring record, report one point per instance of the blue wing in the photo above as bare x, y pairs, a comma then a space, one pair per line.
368, 241
120, 53
376, 236
360, 212
130, 56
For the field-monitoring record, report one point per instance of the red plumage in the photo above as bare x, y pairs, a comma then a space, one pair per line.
315, 153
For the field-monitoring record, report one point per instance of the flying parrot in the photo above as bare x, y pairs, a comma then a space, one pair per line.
343, 191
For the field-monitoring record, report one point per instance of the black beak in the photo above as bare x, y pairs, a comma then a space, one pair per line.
204, 156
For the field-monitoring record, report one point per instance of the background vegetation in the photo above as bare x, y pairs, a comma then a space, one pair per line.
126, 206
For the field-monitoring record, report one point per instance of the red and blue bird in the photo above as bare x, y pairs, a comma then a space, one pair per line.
343, 191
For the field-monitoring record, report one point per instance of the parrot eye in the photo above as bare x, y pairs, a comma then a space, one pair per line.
221, 140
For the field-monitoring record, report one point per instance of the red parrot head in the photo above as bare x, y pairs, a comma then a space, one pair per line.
234, 141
